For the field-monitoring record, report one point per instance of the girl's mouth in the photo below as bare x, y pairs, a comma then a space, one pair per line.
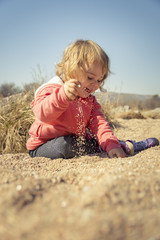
87, 90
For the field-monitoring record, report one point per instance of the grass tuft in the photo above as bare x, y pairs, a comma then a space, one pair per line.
16, 117
107, 105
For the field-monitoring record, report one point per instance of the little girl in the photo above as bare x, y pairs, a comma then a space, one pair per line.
69, 121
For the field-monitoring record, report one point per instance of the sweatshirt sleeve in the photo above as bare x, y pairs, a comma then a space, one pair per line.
50, 102
101, 130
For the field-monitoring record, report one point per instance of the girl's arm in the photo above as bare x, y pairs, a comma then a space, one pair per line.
101, 130
50, 102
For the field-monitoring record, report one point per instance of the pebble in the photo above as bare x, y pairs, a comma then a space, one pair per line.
63, 204
19, 187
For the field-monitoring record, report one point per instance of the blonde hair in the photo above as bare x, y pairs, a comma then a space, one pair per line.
79, 54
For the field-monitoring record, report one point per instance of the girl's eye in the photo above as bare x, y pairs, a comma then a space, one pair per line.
90, 78
99, 81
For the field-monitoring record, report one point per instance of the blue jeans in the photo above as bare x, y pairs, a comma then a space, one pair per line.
65, 147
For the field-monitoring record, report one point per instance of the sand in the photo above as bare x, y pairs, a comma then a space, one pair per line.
86, 198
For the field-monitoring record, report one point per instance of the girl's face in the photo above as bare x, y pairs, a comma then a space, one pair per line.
90, 81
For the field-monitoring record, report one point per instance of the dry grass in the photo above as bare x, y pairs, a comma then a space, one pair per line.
137, 114
131, 115
154, 114
107, 105
16, 118
113, 110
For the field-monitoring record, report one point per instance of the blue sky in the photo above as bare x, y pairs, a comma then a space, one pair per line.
36, 32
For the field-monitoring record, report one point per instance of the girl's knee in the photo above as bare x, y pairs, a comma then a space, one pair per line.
65, 145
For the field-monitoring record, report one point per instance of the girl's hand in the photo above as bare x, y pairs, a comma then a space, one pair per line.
71, 88
117, 152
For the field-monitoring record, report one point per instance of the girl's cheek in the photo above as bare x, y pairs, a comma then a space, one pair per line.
97, 87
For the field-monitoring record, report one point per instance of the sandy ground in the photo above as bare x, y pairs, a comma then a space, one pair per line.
88, 198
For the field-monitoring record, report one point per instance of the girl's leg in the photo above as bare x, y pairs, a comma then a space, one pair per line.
60, 147
131, 147
65, 147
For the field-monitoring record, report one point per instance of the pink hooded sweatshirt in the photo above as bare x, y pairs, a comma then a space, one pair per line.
57, 116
